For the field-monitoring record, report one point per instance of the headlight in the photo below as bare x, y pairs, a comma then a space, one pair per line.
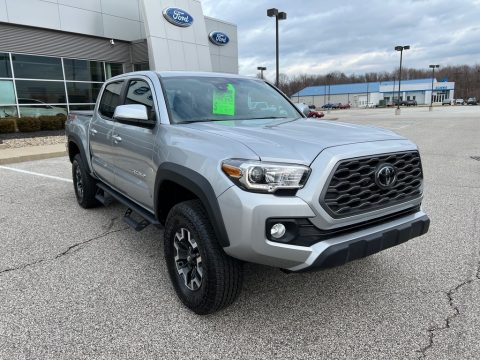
265, 177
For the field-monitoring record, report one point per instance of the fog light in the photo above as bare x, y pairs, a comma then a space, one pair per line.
277, 230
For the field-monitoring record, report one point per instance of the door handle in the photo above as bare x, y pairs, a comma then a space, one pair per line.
93, 131
116, 139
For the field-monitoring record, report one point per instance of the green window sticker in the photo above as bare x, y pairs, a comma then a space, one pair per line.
224, 101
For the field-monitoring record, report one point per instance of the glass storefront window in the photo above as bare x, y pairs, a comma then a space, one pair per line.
83, 92
82, 107
8, 111
113, 69
141, 67
45, 91
83, 70
37, 67
42, 110
7, 93
5, 70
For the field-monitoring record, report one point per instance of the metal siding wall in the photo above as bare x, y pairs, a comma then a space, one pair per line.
140, 52
23, 39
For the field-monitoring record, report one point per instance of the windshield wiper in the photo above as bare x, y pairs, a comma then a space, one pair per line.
199, 120
263, 118
237, 119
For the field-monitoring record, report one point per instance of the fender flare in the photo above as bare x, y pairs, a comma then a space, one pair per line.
74, 138
199, 186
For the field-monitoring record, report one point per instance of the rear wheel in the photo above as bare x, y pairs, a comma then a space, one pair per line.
84, 184
204, 277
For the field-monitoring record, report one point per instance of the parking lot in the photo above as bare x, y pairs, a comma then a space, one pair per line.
78, 283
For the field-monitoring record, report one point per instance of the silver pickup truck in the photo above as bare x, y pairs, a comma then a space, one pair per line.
232, 181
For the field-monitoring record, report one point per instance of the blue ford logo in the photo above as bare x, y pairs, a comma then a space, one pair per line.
219, 38
178, 17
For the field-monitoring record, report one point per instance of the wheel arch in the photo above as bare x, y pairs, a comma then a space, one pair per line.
75, 147
197, 186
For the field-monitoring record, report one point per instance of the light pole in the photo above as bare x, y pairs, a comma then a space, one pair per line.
262, 69
278, 16
433, 67
393, 91
329, 78
400, 48
367, 95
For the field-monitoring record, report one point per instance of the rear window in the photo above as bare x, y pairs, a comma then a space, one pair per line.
110, 99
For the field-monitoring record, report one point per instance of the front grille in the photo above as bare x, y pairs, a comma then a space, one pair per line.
352, 188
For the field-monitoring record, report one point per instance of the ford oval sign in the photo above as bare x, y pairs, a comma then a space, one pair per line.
178, 17
218, 38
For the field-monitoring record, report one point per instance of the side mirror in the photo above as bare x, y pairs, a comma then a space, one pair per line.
133, 113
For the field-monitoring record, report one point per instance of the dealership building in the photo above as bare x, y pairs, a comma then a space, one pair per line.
55, 54
376, 93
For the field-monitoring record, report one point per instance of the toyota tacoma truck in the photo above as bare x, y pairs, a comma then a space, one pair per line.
232, 182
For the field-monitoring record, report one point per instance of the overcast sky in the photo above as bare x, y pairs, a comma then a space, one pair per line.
352, 36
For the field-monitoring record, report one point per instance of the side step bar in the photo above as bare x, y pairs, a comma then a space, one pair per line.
109, 195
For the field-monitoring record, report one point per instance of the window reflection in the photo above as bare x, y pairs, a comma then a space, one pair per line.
37, 67
45, 91
8, 111
7, 93
139, 92
83, 70
110, 99
113, 69
83, 92
5, 70
42, 110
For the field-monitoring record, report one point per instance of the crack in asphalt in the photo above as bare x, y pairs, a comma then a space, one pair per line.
75, 247
456, 312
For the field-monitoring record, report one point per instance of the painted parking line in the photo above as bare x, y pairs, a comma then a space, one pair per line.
35, 174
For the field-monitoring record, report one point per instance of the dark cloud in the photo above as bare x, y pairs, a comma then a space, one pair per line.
352, 36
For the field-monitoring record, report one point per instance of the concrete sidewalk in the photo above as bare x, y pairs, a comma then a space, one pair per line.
28, 153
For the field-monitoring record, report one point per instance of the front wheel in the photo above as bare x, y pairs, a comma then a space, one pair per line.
204, 277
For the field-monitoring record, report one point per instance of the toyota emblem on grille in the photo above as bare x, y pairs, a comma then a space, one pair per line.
386, 176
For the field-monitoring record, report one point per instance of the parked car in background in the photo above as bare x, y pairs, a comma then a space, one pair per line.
36, 108
472, 101
312, 107
447, 102
344, 106
411, 102
315, 114
330, 106
459, 102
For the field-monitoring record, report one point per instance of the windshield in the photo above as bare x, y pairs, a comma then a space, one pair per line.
194, 99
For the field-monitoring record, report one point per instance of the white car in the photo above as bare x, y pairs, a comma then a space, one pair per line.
459, 102
39, 108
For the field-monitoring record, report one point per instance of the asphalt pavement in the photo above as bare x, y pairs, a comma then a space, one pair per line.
80, 284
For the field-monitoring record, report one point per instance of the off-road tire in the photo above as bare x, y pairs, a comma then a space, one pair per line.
222, 277
86, 196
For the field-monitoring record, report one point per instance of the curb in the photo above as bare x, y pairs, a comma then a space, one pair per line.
23, 158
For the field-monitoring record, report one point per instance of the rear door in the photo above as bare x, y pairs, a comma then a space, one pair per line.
133, 144
101, 131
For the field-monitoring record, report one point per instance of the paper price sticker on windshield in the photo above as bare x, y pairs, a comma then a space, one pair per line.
224, 101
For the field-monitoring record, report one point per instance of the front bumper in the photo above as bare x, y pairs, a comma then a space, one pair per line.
246, 214
363, 246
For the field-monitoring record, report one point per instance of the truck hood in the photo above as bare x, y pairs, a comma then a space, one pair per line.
298, 141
